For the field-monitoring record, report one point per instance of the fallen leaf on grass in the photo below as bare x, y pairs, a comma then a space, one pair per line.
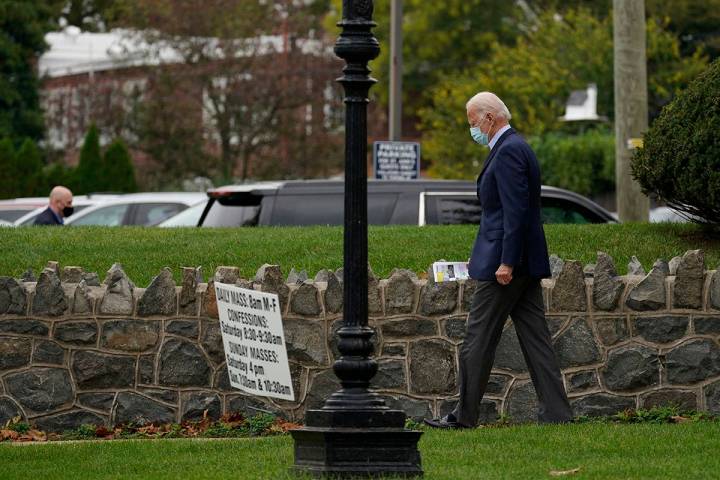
563, 473
8, 435
679, 419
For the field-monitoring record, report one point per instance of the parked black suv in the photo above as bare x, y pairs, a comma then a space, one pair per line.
416, 202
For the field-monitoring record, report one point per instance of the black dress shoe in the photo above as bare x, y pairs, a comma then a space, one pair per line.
448, 421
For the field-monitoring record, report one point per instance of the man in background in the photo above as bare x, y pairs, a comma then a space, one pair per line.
59, 207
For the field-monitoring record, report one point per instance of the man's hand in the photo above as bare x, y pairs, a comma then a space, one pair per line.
504, 274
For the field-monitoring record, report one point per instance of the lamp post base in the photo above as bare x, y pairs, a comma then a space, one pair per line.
356, 452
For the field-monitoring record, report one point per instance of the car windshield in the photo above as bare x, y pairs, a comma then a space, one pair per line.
186, 218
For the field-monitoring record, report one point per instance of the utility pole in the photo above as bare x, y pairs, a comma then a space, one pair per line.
631, 104
396, 69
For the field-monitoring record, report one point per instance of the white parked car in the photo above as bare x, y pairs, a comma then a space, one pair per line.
145, 209
186, 218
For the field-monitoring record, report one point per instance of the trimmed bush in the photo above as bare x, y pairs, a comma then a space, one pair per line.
8, 167
90, 176
29, 170
583, 163
680, 161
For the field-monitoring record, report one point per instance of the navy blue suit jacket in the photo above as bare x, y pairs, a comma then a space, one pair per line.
47, 217
511, 229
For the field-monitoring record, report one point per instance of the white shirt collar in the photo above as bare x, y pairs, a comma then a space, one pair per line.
497, 136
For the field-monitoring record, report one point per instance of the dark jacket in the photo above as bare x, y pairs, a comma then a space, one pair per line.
511, 230
47, 217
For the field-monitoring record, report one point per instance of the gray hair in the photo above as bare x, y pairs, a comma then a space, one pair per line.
488, 102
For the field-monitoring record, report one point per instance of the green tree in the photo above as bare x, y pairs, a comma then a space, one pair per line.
119, 168
680, 161
535, 77
90, 175
8, 167
29, 168
23, 25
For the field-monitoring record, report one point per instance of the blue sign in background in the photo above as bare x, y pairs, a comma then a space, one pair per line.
396, 160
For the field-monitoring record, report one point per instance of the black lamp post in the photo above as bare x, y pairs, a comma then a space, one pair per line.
355, 433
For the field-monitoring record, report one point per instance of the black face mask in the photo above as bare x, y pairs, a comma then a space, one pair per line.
67, 211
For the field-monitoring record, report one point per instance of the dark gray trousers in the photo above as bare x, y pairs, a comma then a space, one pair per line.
491, 305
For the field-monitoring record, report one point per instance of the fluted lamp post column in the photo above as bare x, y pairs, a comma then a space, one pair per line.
355, 433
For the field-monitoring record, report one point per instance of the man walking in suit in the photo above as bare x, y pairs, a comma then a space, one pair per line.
508, 259
59, 207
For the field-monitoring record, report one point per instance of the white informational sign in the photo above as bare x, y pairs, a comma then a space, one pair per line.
450, 271
396, 160
254, 342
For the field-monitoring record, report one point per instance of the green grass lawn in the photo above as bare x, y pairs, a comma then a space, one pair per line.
144, 251
601, 451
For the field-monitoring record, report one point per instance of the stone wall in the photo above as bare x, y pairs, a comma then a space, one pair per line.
75, 351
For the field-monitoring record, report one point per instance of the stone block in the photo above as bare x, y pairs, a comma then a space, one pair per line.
9, 410
167, 396
191, 277
146, 370
568, 294
92, 279
714, 293
82, 333
271, 280
209, 302
305, 300
693, 361
323, 275
14, 353
35, 328
375, 304
612, 330
227, 275
663, 266
41, 390
555, 323
635, 267
28, 276
297, 278
49, 299
707, 325
305, 341
83, 302
390, 376
607, 286
497, 385
95, 370
13, 299
250, 406
182, 364
556, 265
130, 335
438, 298
649, 294
432, 367
183, 328
712, 397
211, 341
686, 401
409, 327
454, 328
673, 265
661, 329
576, 346
138, 409
631, 367
333, 295
101, 401
400, 292
601, 405
522, 403
415, 409
46, 351
193, 406
581, 381
62, 422
160, 297
72, 274
221, 379
118, 298
689, 281
394, 350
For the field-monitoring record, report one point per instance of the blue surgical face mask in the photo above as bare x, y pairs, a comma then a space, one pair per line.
479, 136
